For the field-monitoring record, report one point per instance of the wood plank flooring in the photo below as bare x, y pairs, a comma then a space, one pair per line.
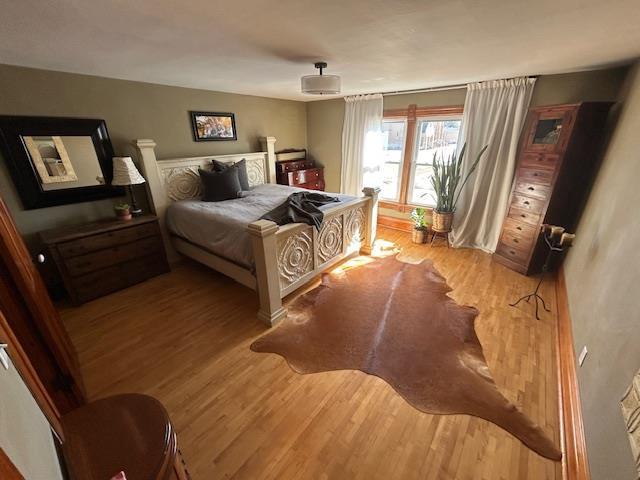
184, 338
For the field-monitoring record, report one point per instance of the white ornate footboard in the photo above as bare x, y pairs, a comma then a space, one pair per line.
285, 257
289, 256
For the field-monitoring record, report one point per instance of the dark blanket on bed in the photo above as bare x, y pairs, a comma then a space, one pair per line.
300, 207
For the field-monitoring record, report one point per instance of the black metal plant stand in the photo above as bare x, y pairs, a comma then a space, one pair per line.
553, 247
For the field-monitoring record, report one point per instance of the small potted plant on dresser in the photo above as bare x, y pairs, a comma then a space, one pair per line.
420, 226
123, 211
447, 187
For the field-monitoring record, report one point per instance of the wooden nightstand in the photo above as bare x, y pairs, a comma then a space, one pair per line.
131, 433
98, 258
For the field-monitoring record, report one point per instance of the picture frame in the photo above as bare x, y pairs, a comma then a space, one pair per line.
213, 126
48, 175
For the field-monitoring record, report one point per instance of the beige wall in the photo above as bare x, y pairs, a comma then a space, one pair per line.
137, 110
25, 435
325, 117
603, 277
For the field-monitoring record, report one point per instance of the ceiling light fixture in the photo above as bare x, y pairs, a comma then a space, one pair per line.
320, 84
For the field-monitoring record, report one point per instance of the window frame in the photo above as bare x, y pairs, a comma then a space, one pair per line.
411, 114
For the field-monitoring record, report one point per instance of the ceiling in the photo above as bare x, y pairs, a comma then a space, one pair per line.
262, 47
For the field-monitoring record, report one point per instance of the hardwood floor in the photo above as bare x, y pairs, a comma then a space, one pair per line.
184, 338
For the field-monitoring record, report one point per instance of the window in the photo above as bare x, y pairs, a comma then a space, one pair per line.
394, 133
434, 137
411, 138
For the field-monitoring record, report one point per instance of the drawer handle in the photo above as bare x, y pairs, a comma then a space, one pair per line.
515, 240
523, 215
531, 188
512, 252
519, 228
535, 174
526, 202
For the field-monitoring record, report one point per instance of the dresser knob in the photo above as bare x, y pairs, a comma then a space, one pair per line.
41, 258
531, 188
519, 228
526, 202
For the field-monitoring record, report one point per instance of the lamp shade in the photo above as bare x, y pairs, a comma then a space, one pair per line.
125, 172
320, 84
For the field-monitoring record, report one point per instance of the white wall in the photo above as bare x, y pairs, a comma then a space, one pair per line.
25, 435
603, 282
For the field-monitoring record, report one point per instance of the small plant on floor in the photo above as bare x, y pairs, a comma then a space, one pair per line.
447, 187
420, 226
123, 211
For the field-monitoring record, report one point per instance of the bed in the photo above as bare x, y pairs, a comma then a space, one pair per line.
228, 236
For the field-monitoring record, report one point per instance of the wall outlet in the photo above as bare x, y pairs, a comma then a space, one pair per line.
582, 356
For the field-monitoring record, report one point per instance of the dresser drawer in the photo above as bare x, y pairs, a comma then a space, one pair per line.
516, 255
519, 227
544, 161
319, 185
110, 256
293, 165
97, 284
109, 239
305, 176
523, 202
532, 189
107, 280
518, 240
525, 216
535, 175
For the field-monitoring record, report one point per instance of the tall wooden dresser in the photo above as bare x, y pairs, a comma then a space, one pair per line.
559, 156
294, 169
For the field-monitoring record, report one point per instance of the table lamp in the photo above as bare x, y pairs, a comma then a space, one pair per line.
125, 173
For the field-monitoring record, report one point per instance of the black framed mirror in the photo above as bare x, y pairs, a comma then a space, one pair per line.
57, 160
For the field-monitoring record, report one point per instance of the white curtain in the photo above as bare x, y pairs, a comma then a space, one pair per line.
494, 114
362, 153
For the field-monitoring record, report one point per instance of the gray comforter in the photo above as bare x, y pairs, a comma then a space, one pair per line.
221, 227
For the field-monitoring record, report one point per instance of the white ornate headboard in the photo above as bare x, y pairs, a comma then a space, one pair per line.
177, 178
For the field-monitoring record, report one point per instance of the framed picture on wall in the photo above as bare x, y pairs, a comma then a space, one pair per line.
213, 126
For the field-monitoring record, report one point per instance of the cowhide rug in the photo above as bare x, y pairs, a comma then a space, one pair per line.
394, 320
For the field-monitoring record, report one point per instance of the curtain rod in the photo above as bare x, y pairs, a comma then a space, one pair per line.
458, 86
425, 90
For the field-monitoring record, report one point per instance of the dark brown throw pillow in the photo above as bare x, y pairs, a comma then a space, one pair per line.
242, 170
219, 186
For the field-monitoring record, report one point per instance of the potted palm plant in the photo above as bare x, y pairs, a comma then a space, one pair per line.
447, 187
420, 227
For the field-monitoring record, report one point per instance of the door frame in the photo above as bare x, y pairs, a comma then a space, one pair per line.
35, 323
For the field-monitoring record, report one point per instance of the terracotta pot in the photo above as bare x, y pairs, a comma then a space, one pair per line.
123, 214
419, 235
442, 221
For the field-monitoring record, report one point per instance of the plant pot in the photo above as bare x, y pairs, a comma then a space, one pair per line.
123, 215
442, 221
419, 235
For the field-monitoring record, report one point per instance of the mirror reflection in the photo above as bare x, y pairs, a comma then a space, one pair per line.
64, 161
